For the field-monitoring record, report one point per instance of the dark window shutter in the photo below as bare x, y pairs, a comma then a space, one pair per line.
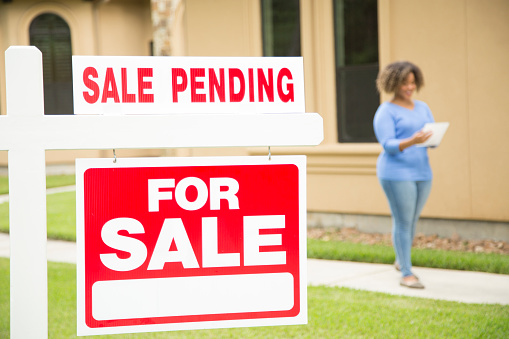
51, 34
281, 27
356, 47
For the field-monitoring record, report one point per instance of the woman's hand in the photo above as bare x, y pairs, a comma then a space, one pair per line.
418, 138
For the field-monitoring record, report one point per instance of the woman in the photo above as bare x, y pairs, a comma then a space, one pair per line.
403, 168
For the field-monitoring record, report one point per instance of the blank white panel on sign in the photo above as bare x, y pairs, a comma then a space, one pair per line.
166, 297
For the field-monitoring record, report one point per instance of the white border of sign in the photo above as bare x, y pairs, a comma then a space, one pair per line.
83, 164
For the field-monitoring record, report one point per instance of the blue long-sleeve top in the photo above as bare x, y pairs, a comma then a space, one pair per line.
392, 124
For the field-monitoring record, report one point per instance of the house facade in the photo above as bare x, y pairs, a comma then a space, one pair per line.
460, 45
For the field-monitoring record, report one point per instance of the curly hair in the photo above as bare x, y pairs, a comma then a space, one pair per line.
393, 76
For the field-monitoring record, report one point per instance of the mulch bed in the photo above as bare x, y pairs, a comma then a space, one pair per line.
455, 243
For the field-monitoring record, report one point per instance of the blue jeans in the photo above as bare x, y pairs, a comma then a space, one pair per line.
406, 200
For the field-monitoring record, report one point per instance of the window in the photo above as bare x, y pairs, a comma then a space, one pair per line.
356, 48
281, 27
51, 34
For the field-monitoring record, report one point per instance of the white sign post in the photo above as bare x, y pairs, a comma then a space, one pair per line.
26, 133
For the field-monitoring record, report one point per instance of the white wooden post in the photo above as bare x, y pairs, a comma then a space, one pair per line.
27, 206
26, 133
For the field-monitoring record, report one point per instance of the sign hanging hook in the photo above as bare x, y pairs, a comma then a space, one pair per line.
269, 154
114, 157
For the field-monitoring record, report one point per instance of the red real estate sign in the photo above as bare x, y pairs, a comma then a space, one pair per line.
190, 243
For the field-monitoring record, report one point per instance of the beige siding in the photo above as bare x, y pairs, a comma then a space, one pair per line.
488, 70
124, 28
461, 46
432, 34
223, 28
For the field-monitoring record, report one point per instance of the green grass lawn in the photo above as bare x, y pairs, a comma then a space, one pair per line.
333, 313
51, 181
61, 214
467, 261
4, 185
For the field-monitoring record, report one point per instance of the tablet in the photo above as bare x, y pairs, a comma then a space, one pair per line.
438, 129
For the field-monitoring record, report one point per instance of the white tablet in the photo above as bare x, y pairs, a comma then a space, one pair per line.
438, 129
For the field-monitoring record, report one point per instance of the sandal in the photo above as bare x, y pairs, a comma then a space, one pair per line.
411, 284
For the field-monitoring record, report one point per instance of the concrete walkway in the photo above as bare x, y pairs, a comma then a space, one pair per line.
462, 286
